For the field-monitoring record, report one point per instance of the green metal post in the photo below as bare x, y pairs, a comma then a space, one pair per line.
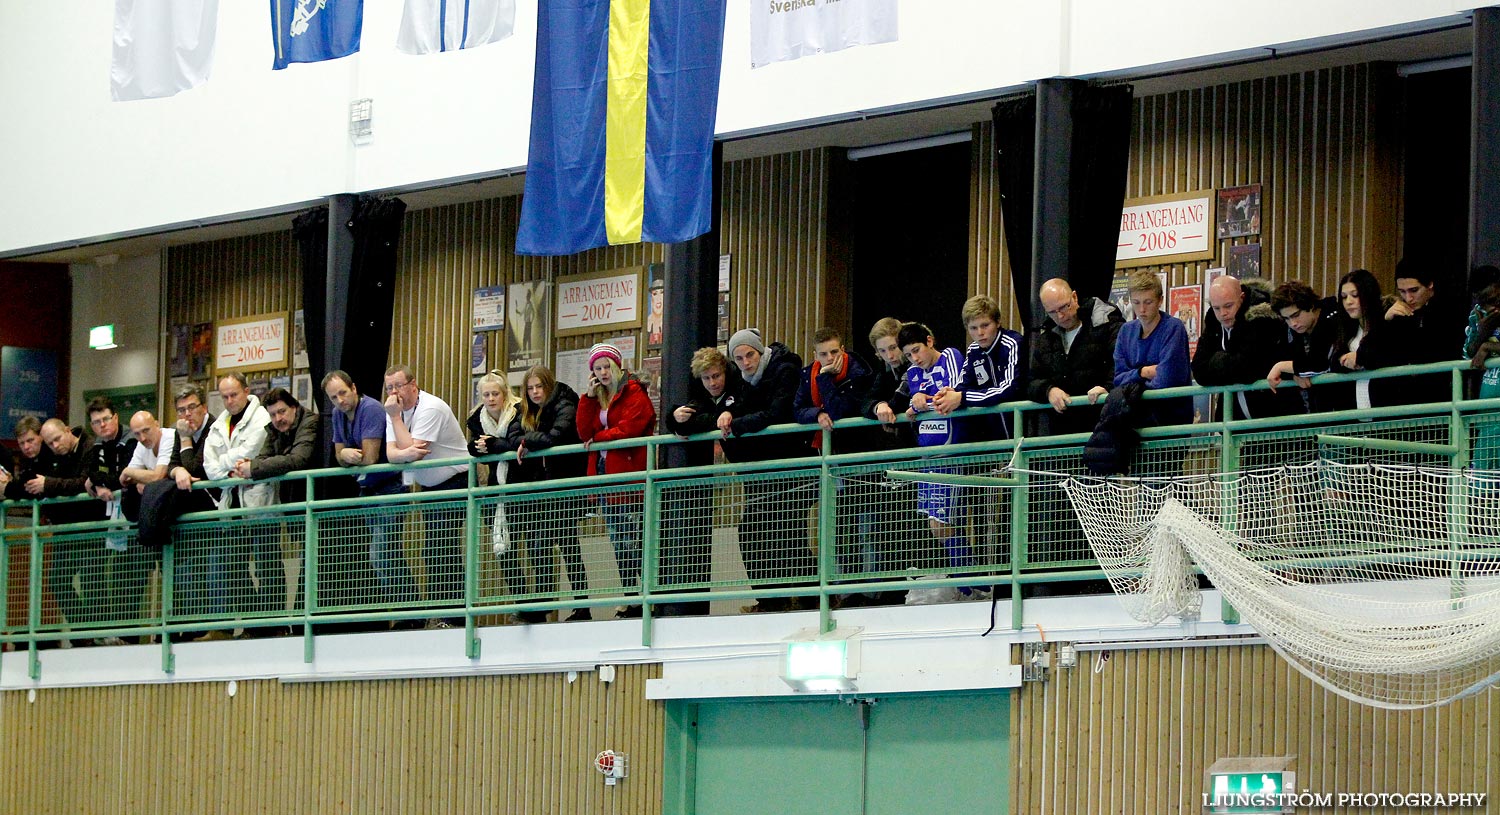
1229, 461
310, 565
472, 522
1458, 512
827, 530
4, 581
34, 594
1019, 505
168, 588
650, 542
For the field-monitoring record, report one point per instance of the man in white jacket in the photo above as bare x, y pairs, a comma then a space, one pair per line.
236, 435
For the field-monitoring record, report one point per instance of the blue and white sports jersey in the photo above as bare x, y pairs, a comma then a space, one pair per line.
947, 372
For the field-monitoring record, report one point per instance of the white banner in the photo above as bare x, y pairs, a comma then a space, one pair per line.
161, 47
788, 29
598, 301
1166, 229
250, 344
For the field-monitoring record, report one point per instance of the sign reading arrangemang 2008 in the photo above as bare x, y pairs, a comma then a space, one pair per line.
1166, 229
599, 301
247, 344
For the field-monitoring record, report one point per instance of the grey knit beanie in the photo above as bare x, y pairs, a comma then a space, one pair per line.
747, 336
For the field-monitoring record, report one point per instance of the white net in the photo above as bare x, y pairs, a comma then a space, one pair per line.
1382, 583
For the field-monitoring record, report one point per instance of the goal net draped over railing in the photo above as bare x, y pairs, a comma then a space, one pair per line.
1382, 583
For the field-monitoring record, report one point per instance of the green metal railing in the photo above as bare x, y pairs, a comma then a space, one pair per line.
815, 528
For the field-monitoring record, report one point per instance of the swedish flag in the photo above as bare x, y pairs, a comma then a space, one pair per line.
622, 123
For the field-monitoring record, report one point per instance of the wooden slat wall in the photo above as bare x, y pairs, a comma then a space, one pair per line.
1316, 143
492, 744
1138, 735
989, 261
238, 277
1320, 143
774, 227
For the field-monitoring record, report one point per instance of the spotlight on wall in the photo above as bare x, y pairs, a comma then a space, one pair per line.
822, 662
102, 337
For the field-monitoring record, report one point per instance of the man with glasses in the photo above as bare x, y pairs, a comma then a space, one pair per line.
1072, 354
186, 465
419, 425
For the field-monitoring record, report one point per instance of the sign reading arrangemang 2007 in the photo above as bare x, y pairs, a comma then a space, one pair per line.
1166, 229
599, 301
247, 344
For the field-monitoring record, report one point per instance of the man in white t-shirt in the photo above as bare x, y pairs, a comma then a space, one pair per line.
153, 451
421, 426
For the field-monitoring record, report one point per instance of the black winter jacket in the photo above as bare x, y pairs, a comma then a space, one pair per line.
555, 428
1090, 362
764, 404
1246, 355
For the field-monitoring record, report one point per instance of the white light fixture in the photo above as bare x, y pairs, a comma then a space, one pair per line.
102, 337
822, 662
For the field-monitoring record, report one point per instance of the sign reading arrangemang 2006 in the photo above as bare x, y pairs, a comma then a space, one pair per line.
1166, 229
247, 344
599, 301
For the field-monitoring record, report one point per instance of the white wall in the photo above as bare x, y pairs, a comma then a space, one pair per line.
74, 165
127, 294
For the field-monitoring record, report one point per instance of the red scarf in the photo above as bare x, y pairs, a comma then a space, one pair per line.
817, 398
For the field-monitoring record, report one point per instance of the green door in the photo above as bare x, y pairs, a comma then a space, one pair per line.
897, 754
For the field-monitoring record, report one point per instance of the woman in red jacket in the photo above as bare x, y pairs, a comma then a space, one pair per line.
615, 408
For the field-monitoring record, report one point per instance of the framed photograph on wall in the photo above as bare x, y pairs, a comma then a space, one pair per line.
1239, 211
1243, 261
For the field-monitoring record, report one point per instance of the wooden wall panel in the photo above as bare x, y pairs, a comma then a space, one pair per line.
989, 261
1321, 143
774, 227
492, 744
1318, 142
1138, 734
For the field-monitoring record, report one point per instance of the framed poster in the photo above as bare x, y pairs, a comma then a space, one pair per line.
599, 301
572, 367
203, 351
526, 332
1162, 229
182, 349
247, 344
1186, 304
299, 339
656, 295
1243, 261
302, 391
1209, 276
489, 309
1239, 211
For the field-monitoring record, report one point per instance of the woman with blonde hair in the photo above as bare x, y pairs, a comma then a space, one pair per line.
546, 420
618, 408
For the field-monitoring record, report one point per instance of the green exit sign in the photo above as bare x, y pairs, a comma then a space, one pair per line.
1250, 793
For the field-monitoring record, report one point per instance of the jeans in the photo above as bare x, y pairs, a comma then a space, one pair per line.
386, 555
624, 523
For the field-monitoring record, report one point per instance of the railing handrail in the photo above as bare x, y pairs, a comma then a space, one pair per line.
661, 439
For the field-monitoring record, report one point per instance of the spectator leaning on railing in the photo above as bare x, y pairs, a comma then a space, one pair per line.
1313, 342
1242, 338
1153, 349
1072, 355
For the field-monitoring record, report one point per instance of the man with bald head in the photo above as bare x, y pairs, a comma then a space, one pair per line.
72, 556
1242, 338
1072, 354
153, 450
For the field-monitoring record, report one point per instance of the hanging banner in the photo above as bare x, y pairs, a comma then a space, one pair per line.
1165, 229
314, 30
788, 29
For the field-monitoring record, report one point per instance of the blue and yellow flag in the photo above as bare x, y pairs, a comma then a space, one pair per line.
622, 123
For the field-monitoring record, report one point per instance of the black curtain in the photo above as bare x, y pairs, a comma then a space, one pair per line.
1093, 184
1015, 149
348, 288
1101, 159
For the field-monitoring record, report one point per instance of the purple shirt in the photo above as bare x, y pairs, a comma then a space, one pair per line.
368, 423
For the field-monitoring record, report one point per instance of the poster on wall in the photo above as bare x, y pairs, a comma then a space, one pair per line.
203, 351
656, 295
1119, 296
1243, 261
1163, 229
650, 376
28, 384
1239, 211
599, 301
489, 308
283, 381
247, 344
527, 331
572, 367
1186, 304
724, 273
723, 333
299, 339
302, 390
479, 348
182, 351
1209, 276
